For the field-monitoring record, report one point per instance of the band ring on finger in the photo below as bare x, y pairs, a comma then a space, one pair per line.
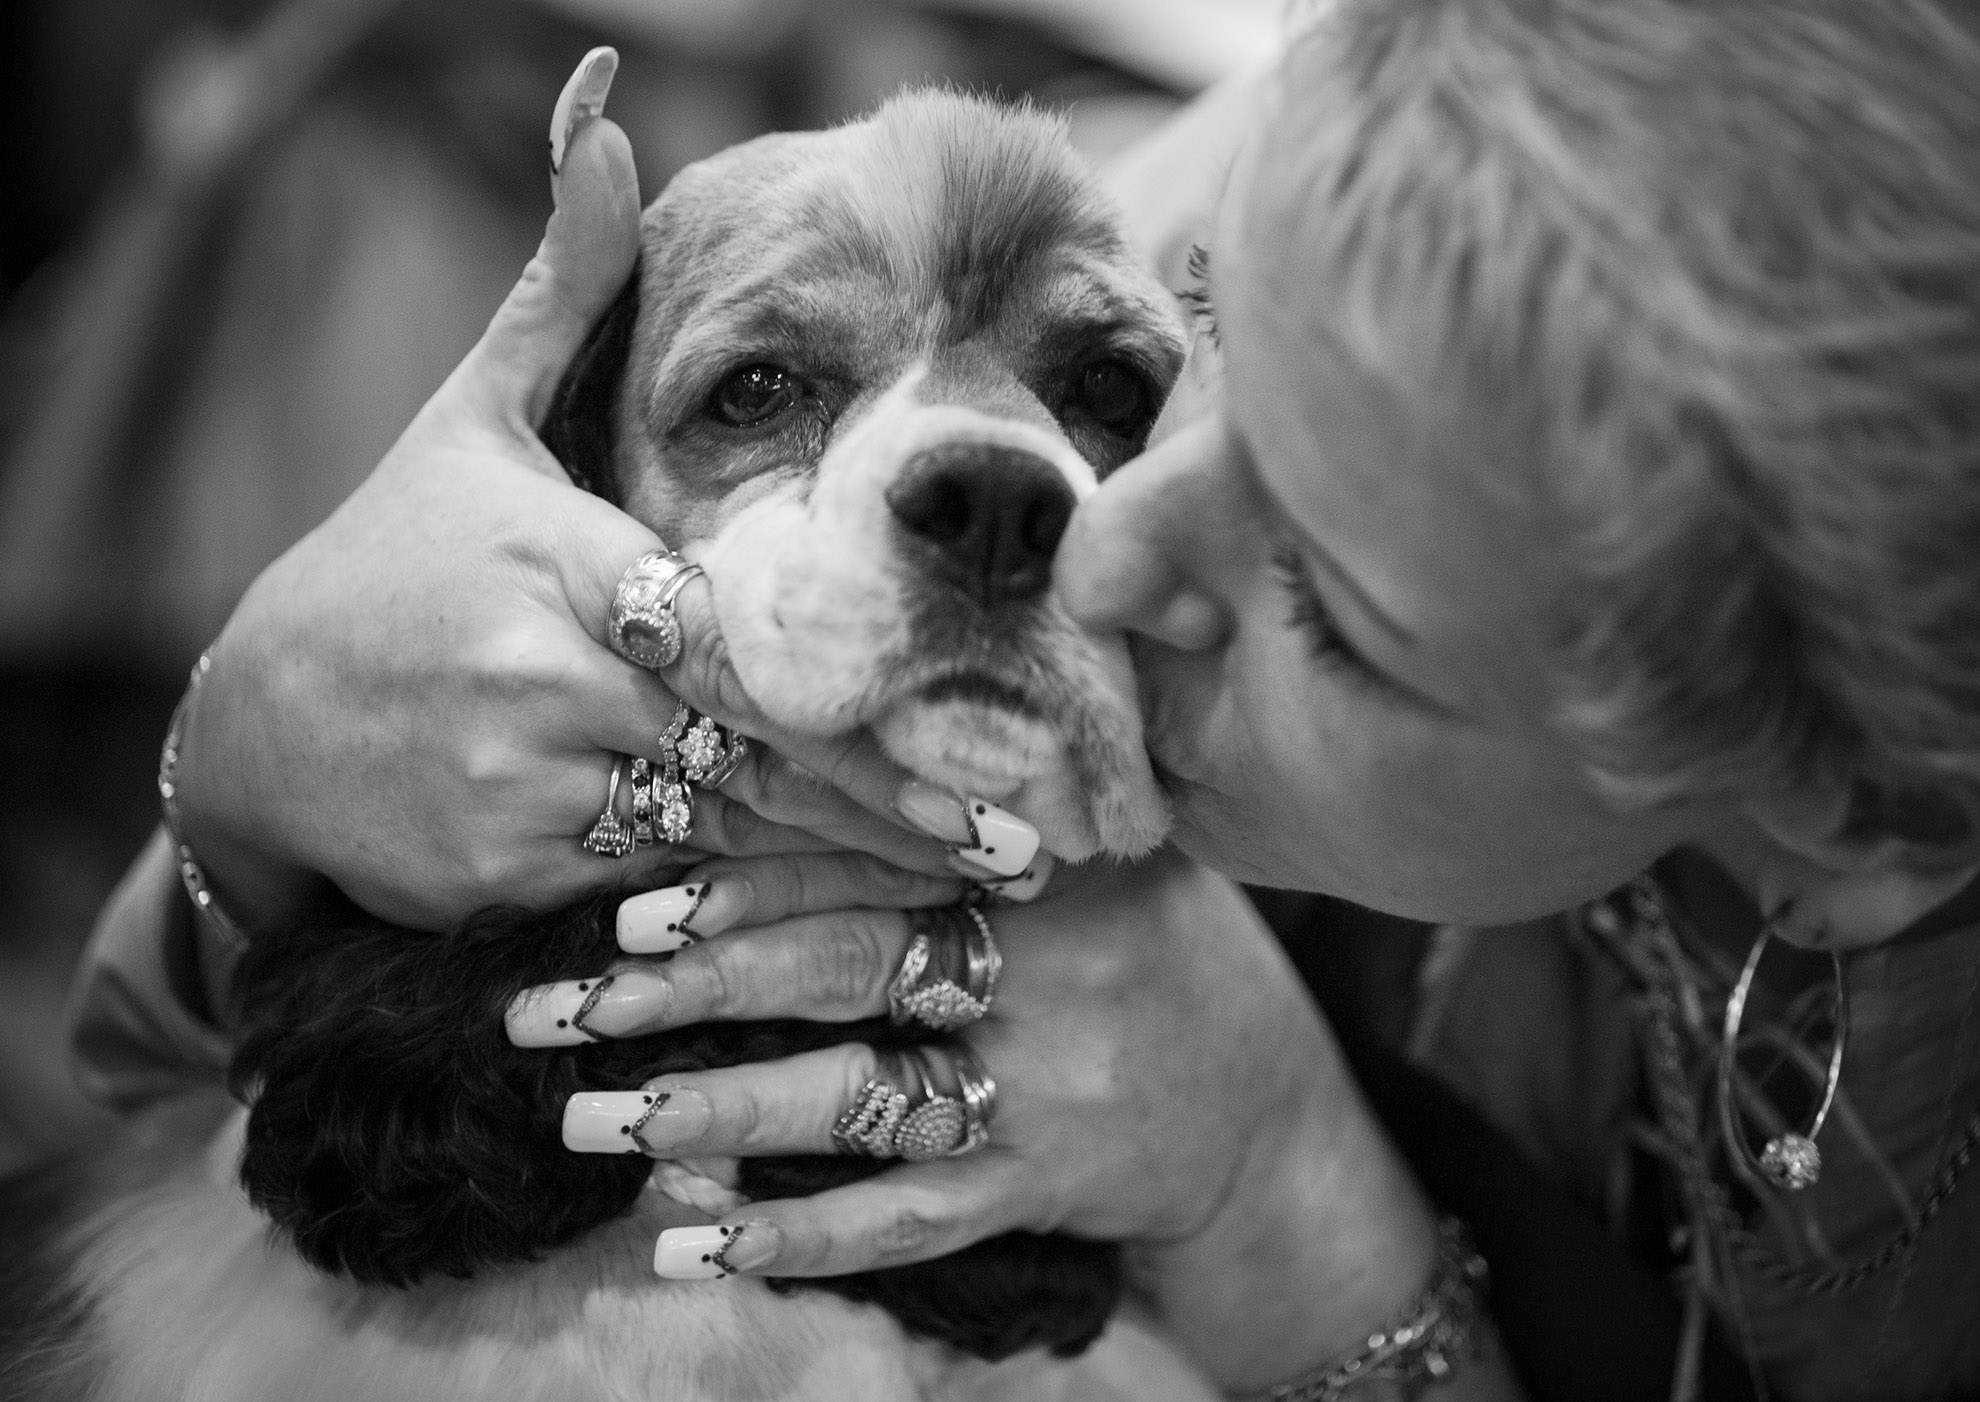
641, 625
979, 1097
610, 835
673, 805
643, 830
901, 1113
922, 994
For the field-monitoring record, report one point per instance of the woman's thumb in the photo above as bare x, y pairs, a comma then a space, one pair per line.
588, 252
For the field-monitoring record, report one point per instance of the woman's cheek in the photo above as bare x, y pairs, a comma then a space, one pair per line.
1269, 761
1352, 791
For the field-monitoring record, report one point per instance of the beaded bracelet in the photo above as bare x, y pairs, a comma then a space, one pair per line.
1435, 1332
216, 920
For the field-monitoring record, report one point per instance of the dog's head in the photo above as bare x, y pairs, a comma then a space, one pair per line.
863, 376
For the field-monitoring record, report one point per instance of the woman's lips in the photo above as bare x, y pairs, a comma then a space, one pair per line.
1162, 729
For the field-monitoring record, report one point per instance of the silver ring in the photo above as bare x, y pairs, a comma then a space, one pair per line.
890, 1118
939, 1003
710, 753
642, 801
641, 626
867, 1127
979, 1095
673, 805
986, 961
610, 836
732, 761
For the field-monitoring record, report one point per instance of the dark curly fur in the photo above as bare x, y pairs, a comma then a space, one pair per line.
396, 1134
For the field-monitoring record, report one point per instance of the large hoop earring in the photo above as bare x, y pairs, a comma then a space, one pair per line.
1790, 1161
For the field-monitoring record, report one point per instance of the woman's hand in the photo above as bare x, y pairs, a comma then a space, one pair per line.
1161, 1077
416, 702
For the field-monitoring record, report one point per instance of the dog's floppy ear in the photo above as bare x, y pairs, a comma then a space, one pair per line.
578, 428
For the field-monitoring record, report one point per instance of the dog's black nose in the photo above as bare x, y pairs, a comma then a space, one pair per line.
988, 515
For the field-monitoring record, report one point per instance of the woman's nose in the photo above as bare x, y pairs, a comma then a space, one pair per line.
1132, 557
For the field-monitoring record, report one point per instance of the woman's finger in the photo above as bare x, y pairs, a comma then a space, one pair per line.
719, 827
915, 1212
768, 1107
588, 252
622, 707
769, 783
558, 866
725, 828
732, 892
831, 967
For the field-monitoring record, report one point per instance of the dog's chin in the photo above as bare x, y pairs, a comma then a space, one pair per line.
819, 638
974, 747
1052, 799
1020, 761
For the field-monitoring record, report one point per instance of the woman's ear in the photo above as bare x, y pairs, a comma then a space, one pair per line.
578, 429
1834, 881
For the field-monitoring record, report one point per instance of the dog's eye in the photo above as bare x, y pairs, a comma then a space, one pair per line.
755, 394
1113, 396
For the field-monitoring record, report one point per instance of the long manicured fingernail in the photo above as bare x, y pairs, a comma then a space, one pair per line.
704, 1253
755, 1247
630, 999
582, 100
611, 1122
553, 1014
1005, 843
982, 834
675, 917
934, 811
1018, 889
655, 1120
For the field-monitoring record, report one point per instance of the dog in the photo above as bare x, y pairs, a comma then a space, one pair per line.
863, 377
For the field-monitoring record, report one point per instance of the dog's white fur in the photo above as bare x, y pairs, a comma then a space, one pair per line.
195, 1302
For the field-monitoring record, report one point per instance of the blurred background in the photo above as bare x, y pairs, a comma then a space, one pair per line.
242, 241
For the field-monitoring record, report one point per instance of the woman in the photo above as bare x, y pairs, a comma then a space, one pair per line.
1594, 481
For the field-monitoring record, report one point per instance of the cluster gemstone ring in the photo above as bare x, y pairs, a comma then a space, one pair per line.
903, 1113
706, 752
948, 976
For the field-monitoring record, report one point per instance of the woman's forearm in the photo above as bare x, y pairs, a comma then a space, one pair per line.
1325, 1240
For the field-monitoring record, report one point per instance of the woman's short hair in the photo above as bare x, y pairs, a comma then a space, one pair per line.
1721, 260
